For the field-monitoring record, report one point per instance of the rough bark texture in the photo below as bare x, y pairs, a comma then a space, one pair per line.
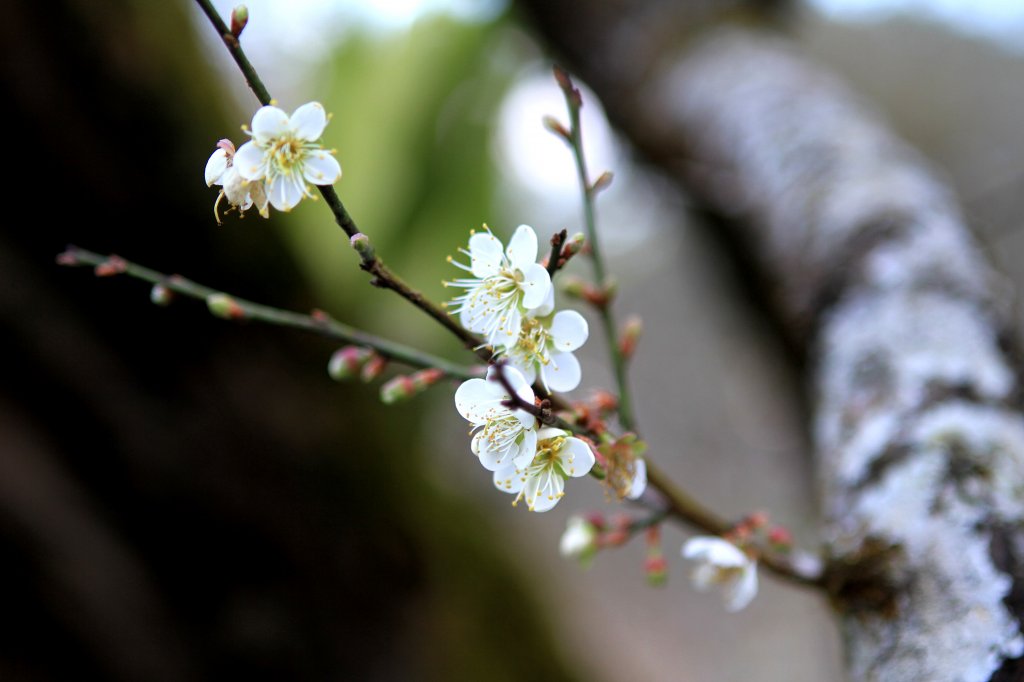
917, 424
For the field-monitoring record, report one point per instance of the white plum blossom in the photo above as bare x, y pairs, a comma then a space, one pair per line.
240, 193
544, 348
503, 436
507, 284
721, 563
579, 541
285, 153
542, 482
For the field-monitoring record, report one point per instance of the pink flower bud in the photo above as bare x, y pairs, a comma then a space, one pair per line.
161, 295
239, 18
373, 368
346, 362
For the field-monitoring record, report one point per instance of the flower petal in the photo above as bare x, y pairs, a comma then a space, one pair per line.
639, 481
321, 168
286, 191
268, 123
250, 161
569, 330
545, 308
522, 248
535, 285
475, 400
508, 480
527, 449
714, 550
562, 373
507, 332
215, 167
543, 491
485, 256
576, 457
309, 121
740, 592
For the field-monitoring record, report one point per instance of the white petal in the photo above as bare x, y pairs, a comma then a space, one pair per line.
250, 161
550, 432
258, 192
545, 308
522, 248
543, 491
569, 330
527, 449
529, 371
714, 550
493, 460
704, 577
473, 399
286, 191
309, 121
562, 373
506, 334
268, 123
508, 480
485, 255
580, 454
215, 167
740, 592
321, 168
639, 481
536, 285
516, 380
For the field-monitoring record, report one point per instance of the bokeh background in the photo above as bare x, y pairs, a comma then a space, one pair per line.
183, 498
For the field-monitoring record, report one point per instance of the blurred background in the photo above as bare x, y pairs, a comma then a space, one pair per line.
183, 498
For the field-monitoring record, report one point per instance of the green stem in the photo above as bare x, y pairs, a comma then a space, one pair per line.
320, 324
575, 140
383, 277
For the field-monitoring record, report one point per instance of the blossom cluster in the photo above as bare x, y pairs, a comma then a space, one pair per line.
274, 166
509, 299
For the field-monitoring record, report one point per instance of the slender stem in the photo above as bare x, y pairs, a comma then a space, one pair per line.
557, 241
319, 324
382, 276
231, 42
575, 140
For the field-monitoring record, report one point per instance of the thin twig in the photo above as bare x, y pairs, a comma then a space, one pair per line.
557, 241
382, 276
574, 103
319, 323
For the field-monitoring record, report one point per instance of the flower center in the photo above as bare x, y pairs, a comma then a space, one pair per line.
501, 433
533, 342
286, 154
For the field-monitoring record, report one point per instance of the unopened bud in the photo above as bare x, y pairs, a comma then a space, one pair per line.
631, 333
562, 77
345, 363
426, 378
574, 245
239, 18
222, 305
656, 569
361, 243
373, 368
115, 265
572, 286
161, 295
780, 538
602, 182
398, 389
555, 126
605, 401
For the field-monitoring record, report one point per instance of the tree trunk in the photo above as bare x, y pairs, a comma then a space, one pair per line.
872, 273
